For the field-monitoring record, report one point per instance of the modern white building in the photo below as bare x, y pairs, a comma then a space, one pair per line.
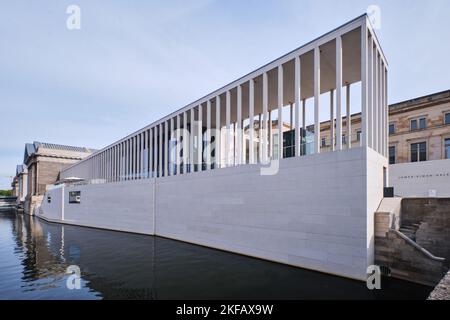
190, 176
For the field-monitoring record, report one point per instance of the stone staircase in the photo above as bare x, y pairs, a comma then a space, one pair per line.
410, 230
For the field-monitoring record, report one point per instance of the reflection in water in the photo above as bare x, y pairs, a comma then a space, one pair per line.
34, 256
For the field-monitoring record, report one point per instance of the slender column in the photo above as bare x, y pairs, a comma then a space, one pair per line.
291, 116
133, 157
316, 100
339, 93
386, 110
124, 159
227, 135
151, 152
134, 173
119, 177
218, 135
138, 156
160, 151
259, 137
375, 100
238, 133
280, 112
141, 156
178, 146
364, 122
113, 153
171, 146
304, 124
380, 108
297, 97
349, 118
185, 143
200, 137
269, 130
208, 135
130, 158
146, 154
192, 160
371, 96
251, 112
332, 139
166, 148
265, 110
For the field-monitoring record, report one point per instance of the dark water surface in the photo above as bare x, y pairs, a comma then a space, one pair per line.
34, 256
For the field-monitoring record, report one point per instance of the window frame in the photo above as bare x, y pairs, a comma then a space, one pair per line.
389, 128
446, 114
395, 154
418, 144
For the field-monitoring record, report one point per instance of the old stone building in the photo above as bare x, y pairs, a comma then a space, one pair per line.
419, 129
44, 161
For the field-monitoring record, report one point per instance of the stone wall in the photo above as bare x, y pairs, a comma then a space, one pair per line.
406, 260
433, 215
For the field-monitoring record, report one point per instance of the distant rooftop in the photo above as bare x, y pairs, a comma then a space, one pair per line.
32, 148
428, 100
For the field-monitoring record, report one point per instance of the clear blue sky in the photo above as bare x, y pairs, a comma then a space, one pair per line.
133, 62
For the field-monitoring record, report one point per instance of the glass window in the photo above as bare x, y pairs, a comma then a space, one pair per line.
447, 148
358, 135
344, 139
418, 151
414, 124
447, 118
391, 128
422, 123
324, 142
75, 197
392, 155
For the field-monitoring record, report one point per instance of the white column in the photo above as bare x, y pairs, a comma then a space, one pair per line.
386, 111
297, 96
170, 146
166, 148
151, 152
270, 133
146, 154
160, 151
227, 135
133, 157
238, 133
375, 100
280, 112
265, 99
332, 139
218, 135
260, 137
192, 161
251, 112
200, 138
371, 97
178, 147
138, 155
120, 161
339, 93
185, 143
304, 123
349, 118
364, 119
208, 135
316, 100
380, 121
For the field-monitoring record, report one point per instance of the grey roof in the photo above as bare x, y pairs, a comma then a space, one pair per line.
31, 148
21, 168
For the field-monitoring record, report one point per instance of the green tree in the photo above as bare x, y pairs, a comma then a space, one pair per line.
5, 193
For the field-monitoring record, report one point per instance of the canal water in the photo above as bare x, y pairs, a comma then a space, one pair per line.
35, 255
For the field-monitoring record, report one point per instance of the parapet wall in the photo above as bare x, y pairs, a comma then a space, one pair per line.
315, 212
